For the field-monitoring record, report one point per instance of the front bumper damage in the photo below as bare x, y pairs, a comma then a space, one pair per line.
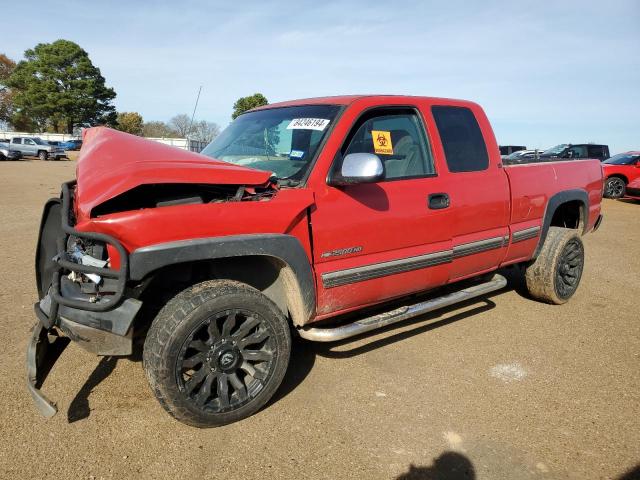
100, 325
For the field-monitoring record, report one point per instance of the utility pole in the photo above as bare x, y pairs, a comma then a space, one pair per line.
192, 117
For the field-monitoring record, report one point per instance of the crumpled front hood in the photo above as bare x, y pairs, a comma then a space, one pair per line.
113, 162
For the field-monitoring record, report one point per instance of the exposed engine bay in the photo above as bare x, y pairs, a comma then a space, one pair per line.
171, 194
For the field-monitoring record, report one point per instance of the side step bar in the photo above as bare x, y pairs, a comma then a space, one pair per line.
399, 314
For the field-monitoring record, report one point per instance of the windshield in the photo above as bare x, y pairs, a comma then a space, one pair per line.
39, 141
623, 159
283, 141
557, 150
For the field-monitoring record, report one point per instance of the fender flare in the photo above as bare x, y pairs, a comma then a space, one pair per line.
286, 248
552, 205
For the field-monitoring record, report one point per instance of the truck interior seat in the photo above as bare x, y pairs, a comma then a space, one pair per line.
406, 160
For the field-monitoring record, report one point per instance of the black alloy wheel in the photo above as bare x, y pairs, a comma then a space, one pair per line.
226, 361
216, 353
569, 269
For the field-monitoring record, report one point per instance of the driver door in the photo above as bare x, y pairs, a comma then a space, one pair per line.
374, 242
30, 147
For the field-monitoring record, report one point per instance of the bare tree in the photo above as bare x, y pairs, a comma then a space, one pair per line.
181, 123
157, 129
204, 131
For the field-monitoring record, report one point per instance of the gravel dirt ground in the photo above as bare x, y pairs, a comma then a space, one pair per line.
503, 388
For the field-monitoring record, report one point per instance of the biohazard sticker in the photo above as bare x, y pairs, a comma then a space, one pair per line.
308, 124
382, 142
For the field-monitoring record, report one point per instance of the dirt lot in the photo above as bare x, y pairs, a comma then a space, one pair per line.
504, 388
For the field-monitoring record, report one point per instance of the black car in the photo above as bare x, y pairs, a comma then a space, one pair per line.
574, 151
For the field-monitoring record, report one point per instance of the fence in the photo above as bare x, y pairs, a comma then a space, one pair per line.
183, 143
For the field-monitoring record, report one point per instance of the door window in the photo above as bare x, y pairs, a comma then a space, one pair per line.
577, 151
596, 151
462, 140
17, 141
398, 138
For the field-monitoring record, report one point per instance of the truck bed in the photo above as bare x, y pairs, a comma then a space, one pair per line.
533, 187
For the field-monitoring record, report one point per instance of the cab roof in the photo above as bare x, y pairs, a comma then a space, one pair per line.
349, 99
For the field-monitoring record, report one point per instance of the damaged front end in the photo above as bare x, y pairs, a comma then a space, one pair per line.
81, 296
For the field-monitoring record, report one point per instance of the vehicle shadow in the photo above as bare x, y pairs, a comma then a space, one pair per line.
79, 408
632, 474
448, 466
515, 280
629, 200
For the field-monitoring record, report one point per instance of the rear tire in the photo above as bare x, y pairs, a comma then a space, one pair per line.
216, 353
42, 155
615, 187
555, 275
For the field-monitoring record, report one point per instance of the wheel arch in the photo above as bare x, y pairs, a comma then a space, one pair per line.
619, 175
275, 264
565, 207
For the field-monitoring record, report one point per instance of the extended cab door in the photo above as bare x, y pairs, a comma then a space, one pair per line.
30, 147
16, 144
378, 241
478, 189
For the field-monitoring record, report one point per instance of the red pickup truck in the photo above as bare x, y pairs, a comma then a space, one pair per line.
296, 215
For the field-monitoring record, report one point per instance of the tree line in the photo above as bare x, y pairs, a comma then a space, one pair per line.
57, 88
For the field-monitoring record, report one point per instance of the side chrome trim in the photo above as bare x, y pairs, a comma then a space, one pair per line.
526, 234
377, 270
479, 246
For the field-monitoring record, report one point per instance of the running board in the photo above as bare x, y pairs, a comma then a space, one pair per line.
399, 314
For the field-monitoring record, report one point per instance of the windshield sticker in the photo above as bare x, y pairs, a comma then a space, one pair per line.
296, 154
308, 124
382, 142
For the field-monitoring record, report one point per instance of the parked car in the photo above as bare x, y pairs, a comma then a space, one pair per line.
36, 147
315, 208
71, 144
619, 171
522, 156
506, 150
576, 151
633, 189
6, 153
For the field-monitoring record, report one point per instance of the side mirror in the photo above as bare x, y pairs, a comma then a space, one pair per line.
358, 168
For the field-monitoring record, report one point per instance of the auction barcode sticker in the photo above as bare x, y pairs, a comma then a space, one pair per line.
308, 124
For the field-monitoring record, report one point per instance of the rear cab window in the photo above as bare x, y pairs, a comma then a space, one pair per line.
462, 140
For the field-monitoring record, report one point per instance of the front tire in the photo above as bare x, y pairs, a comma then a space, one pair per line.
216, 353
42, 155
555, 274
615, 187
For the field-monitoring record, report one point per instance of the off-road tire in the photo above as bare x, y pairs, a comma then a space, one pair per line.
615, 187
42, 155
191, 313
555, 275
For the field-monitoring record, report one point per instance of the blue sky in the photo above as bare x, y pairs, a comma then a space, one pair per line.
546, 72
